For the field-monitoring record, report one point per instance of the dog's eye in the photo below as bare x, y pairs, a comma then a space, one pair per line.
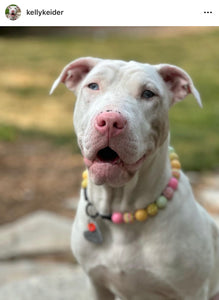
93, 86
147, 94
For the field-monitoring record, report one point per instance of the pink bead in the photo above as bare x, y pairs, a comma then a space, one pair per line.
173, 183
168, 192
117, 218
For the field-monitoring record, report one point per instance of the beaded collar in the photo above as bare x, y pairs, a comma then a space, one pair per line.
94, 235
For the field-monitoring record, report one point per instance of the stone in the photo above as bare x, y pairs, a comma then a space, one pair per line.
38, 233
24, 268
63, 284
210, 198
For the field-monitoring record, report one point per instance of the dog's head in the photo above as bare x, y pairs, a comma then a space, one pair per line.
121, 113
13, 10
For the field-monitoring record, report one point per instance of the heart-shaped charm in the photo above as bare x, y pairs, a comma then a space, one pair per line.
93, 234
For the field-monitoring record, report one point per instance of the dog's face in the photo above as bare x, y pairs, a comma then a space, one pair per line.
13, 10
121, 113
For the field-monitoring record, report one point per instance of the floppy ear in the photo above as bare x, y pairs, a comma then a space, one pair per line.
74, 73
178, 82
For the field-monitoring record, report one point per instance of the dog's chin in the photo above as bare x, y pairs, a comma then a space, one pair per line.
113, 172
107, 173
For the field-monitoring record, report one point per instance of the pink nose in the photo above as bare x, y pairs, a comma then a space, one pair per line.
110, 123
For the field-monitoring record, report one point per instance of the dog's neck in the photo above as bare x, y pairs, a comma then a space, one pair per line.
144, 188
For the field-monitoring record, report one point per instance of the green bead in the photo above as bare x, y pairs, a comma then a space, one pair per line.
161, 202
171, 149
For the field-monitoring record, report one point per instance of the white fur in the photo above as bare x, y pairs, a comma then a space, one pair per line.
13, 13
174, 255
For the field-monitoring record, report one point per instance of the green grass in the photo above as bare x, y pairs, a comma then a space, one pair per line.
29, 66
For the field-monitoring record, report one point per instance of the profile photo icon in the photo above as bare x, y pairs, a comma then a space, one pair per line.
13, 12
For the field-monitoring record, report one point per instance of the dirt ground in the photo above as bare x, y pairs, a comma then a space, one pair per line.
37, 175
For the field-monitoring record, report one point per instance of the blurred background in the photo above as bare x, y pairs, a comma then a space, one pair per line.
40, 164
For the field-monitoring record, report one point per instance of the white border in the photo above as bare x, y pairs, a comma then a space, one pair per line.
117, 13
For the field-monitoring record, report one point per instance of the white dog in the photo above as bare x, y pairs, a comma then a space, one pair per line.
147, 238
13, 10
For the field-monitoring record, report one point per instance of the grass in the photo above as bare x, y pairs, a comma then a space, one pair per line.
29, 66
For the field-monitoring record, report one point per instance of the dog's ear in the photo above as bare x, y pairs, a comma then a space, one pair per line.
178, 82
74, 73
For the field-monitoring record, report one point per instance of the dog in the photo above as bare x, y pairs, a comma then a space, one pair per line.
130, 246
13, 10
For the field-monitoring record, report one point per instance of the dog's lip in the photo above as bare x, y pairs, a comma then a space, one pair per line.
131, 167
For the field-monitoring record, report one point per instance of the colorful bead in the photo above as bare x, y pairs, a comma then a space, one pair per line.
173, 183
171, 149
152, 209
128, 217
84, 183
168, 192
175, 164
91, 227
173, 156
117, 218
85, 174
141, 215
161, 202
176, 173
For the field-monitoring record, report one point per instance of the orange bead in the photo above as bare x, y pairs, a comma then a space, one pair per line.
141, 215
175, 164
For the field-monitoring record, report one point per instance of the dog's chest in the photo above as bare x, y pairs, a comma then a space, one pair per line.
132, 269
141, 259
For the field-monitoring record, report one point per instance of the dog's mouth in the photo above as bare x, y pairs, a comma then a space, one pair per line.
108, 155
13, 14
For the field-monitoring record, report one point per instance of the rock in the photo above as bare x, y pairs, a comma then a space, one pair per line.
194, 177
210, 198
21, 269
36, 234
208, 192
61, 284
211, 179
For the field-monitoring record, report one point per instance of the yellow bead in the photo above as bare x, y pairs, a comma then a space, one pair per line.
128, 217
141, 215
175, 164
85, 174
84, 183
173, 155
152, 209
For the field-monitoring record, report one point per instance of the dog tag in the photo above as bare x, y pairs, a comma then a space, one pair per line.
93, 234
